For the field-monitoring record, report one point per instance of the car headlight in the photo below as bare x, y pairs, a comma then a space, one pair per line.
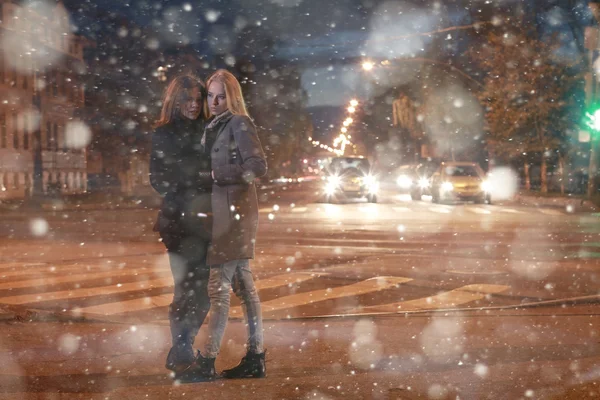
404, 181
423, 183
486, 186
371, 183
330, 188
369, 180
447, 186
373, 188
334, 180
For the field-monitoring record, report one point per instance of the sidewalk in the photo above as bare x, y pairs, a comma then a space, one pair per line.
573, 203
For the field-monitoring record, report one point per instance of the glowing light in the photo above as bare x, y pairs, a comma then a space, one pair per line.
367, 65
351, 109
353, 102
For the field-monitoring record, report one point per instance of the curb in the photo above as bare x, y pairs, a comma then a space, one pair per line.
563, 202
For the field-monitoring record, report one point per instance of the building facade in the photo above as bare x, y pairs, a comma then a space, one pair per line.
41, 87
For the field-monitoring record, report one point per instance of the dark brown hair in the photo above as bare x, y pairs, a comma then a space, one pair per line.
177, 93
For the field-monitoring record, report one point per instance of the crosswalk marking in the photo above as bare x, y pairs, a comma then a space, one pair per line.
356, 289
80, 276
21, 264
550, 212
440, 210
163, 300
452, 298
87, 292
479, 210
511, 210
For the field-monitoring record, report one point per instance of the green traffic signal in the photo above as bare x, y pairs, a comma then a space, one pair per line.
593, 120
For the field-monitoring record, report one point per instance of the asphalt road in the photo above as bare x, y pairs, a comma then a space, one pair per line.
394, 300
313, 259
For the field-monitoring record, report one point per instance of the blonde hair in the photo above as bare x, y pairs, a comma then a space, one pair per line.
233, 91
177, 93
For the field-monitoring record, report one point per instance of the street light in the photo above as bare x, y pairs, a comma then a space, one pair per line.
367, 65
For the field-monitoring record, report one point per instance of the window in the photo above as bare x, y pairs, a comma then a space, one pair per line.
48, 136
3, 134
55, 136
15, 130
63, 137
25, 134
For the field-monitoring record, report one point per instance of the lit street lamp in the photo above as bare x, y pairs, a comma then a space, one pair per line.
368, 65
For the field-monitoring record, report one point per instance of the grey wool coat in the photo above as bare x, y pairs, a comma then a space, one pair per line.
237, 158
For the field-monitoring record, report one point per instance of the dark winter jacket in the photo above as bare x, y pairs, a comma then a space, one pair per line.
180, 171
237, 158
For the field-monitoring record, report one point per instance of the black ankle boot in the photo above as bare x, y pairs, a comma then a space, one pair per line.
202, 369
180, 358
252, 366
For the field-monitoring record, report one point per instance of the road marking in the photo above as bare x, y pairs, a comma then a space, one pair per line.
440, 210
479, 210
80, 276
299, 209
401, 209
472, 272
17, 264
550, 212
299, 299
163, 300
87, 292
452, 298
511, 210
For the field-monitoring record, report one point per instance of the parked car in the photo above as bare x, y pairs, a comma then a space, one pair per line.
463, 181
350, 177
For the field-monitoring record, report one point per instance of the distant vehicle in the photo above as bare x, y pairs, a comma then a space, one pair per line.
350, 177
414, 179
464, 181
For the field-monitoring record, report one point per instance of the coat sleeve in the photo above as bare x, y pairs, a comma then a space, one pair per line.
161, 174
166, 168
253, 162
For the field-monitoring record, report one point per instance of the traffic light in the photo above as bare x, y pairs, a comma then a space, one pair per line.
593, 120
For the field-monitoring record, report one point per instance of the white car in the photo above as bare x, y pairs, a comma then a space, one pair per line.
350, 177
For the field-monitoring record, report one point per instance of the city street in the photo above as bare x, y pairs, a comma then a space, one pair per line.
427, 277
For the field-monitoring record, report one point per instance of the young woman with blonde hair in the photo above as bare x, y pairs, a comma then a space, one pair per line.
237, 158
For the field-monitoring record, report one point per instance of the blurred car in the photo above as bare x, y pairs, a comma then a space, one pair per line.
463, 181
414, 179
350, 177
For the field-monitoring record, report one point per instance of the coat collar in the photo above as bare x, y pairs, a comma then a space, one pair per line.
219, 119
